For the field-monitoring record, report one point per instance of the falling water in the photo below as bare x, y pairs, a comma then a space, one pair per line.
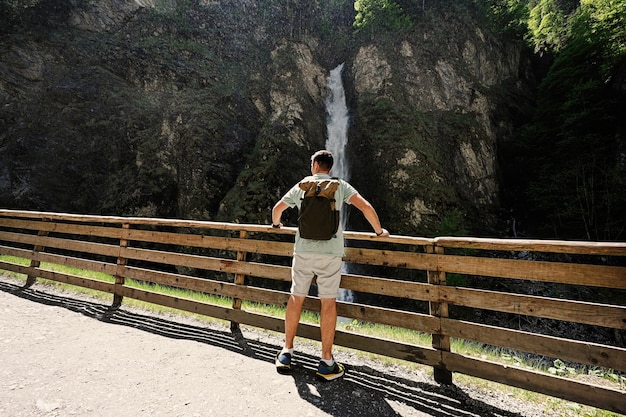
337, 126
337, 123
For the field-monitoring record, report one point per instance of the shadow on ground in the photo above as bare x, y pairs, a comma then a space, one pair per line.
362, 392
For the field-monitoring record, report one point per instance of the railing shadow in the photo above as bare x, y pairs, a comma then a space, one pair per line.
362, 392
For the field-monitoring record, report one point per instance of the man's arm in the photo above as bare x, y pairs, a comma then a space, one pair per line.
277, 213
369, 212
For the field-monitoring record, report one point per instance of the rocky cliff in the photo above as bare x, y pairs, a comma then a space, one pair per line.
210, 109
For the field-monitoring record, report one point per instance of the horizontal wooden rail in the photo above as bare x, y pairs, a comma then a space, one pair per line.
559, 272
566, 310
549, 246
582, 352
606, 398
409, 277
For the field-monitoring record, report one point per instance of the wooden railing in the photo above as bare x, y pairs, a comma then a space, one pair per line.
430, 286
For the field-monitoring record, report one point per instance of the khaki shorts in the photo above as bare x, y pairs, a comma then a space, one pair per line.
327, 269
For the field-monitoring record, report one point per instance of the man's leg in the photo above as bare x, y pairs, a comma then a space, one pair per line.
328, 324
328, 280
292, 319
328, 369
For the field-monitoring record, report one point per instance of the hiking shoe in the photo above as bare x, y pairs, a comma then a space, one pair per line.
328, 373
283, 363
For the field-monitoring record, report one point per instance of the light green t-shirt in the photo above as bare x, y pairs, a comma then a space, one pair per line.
334, 246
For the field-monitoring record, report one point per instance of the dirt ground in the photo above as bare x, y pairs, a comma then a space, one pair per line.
60, 355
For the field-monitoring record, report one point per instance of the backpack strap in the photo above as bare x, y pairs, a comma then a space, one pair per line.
320, 188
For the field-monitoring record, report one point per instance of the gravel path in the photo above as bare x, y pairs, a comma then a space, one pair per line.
61, 356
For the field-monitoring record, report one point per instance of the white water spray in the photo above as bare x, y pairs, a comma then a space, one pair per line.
337, 123
337, 126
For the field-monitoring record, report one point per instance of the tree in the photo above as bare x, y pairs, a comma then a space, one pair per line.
380, 15
547, 24
509, 17
572, 148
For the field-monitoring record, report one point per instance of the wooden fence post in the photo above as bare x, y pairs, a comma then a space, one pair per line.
440, 341
31, 279
121, 261
240, 279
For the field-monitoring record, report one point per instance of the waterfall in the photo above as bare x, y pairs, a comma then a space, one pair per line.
337, 123
337, 127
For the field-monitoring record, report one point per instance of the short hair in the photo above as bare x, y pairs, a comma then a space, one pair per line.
324, 158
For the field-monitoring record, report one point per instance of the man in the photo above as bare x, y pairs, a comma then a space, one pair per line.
321, 259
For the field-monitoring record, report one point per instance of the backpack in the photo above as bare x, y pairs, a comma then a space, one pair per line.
319, 217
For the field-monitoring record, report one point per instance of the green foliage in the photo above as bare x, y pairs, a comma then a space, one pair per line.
570, 151
543, 24
560, 368
453, 223
456, 280
507, 17
604, 21
380, 16
547, 23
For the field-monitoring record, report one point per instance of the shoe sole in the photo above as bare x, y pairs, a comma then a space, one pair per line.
283, 369
331, 377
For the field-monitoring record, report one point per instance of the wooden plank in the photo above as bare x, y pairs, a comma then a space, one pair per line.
17, 252
206, 309
256, 295
587, 353
397, 318
59, 243
148, 221
30, 280
240, 279
404, 240
96, 266
536, 245
439, 309
390, 287
257, 320
212, 242
78, 281
593, 395
65, 228
173, 302
87, 264
559, 272
70, 279
209, 263
120, 263
17, 268
59, 216
142, 221
391, 258
389, 348
207, 286
529, 305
